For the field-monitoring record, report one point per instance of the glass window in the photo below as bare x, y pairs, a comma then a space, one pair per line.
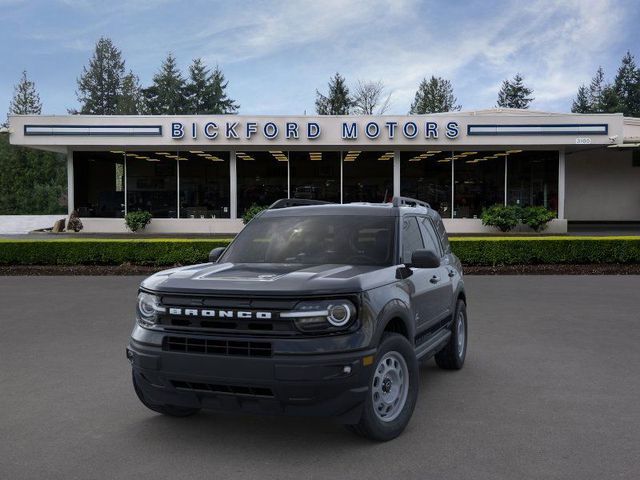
367, 176
262, 178
411, 238
532, 178
315, 240
315, 175
99, 184
479, 182
152, 183
429, 235
204, 184
426, 176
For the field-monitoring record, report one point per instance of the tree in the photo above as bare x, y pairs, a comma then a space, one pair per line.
514, 93
337, 101
370, 98
130, 100
596, 89
26, 100
166, 96
206, 92
581, 104
627, 86
434, 95
99, 86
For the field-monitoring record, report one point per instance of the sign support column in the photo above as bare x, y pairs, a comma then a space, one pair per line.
396, 173
233, 186
70, 194
561, 183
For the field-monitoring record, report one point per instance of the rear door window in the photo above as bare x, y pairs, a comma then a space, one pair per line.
411, 238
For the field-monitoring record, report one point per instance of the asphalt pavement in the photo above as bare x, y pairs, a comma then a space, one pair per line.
551, 389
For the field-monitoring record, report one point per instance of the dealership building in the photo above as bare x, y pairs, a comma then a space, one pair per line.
199, 174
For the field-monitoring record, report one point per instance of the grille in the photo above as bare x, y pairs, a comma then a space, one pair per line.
229, 389
217, 347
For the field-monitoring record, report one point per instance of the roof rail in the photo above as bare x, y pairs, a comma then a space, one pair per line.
295, 202
408, 202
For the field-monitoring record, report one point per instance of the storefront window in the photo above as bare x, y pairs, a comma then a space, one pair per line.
99, 184
204, 184
367, 176
262, 178
532, 178
478, 182
315, 175
426, 176
152, 183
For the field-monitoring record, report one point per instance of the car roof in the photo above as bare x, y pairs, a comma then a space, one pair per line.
362, 209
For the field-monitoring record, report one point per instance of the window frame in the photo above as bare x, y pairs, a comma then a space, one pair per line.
401, 231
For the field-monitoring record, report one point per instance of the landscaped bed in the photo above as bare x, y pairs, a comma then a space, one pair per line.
482, 255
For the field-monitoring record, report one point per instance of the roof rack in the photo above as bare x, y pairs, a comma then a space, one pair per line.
408, 202
295, 202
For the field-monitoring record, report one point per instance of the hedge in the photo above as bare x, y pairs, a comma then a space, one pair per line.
107, 252
162, 252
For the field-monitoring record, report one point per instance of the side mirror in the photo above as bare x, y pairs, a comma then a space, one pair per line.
425, 259
214, 255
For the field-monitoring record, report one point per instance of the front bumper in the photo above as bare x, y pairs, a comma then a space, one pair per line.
331, 385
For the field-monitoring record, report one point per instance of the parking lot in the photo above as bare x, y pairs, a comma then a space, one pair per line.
551, 389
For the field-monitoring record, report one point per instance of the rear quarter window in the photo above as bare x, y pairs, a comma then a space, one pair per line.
442, 233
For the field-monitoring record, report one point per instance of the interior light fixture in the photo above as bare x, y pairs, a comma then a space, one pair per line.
196, 151
117, 151
514, 151
162, 153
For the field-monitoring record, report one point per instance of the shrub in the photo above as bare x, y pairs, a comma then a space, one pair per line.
137, 220
74, 223
537, 217
252, 211
503, 217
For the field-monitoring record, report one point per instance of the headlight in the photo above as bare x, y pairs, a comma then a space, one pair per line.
148, 309
322, 316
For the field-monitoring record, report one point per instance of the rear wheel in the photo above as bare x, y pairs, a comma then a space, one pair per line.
170, 410
452, 356
393, 390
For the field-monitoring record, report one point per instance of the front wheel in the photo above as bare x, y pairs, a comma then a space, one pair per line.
393, 390
169, 410
452, 356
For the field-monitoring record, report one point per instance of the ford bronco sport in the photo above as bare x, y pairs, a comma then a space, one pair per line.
321, 310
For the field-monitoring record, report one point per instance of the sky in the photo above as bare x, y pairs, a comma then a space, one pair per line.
275, 54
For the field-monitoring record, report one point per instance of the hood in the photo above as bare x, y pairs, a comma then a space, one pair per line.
257, 279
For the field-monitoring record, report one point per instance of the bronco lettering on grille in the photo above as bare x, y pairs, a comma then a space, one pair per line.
241, 314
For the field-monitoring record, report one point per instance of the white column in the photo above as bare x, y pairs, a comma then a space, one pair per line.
341, 175
396, 173
561, 182
178, 187
125, 185
453, 182
506, 166
233, 186
70, 194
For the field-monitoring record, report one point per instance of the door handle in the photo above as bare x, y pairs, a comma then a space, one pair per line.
452, 273
434, 279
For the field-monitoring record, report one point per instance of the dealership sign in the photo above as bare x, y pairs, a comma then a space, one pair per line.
348, 130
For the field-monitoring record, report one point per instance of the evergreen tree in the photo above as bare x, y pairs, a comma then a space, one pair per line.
581, 104
26, 100
434, 95
206, 92
596, 88
514, 93
627, 86
337, 101
166, 96
130, 101
100, 84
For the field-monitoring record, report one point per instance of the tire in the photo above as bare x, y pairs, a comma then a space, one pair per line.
452, 356
378, 421
169, 410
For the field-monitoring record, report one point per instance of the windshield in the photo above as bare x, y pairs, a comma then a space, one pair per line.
315, 240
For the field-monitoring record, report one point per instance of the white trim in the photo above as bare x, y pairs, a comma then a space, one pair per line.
70, 186
233, 186
396, 173
561, 182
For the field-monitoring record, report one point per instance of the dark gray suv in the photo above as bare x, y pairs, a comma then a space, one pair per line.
320, 310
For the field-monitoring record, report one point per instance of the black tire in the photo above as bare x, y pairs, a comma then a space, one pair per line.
169, 410
371, 426
452, 356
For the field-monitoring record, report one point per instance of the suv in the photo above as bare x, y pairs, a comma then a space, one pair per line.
321, 310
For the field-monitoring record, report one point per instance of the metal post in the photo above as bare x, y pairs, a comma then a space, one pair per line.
396, 173
70, 191
505, 178
288, 174
178, 187
561, 183
126, 200
453, 183
233, 186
